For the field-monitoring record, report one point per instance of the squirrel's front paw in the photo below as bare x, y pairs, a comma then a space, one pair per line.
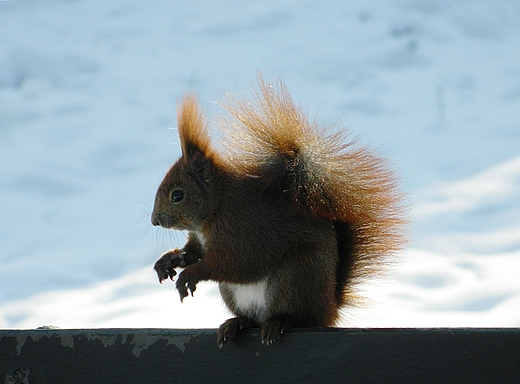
165, 266
186, 282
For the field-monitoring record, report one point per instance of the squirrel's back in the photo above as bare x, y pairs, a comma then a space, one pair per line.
318, 171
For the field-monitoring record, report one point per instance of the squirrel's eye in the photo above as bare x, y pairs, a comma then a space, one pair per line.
177, 195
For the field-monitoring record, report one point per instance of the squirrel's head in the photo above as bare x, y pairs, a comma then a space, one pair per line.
187, 197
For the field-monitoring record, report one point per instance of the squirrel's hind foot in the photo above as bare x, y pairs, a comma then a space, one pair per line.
273, 329
229, 329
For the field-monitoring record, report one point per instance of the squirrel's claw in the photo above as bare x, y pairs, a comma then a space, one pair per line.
169, 274
183, 293
166, 276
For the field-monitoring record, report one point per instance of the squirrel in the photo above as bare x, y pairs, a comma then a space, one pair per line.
287, 217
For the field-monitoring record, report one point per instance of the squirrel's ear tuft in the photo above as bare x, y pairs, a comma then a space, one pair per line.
193, 130
195, 143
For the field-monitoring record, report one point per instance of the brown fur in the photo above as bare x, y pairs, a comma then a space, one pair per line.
287, 203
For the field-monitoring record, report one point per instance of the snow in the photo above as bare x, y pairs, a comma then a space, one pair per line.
88, 91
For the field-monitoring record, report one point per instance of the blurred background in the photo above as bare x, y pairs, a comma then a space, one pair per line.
88, 94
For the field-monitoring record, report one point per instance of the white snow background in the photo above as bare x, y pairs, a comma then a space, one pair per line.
88, 93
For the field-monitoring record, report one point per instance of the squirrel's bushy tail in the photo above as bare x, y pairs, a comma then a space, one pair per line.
319, 170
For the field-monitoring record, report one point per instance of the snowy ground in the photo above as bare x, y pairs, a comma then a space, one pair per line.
87, 102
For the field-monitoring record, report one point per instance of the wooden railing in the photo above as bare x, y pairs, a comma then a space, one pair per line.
303, 356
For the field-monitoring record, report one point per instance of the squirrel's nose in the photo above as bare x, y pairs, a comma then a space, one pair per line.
155, 219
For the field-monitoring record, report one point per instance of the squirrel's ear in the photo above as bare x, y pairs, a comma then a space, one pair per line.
199, 164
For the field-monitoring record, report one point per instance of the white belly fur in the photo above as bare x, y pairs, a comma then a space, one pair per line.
250, 299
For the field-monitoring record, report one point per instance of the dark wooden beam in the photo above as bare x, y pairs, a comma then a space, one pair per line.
303, 356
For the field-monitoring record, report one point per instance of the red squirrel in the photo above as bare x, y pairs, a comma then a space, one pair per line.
287, 218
